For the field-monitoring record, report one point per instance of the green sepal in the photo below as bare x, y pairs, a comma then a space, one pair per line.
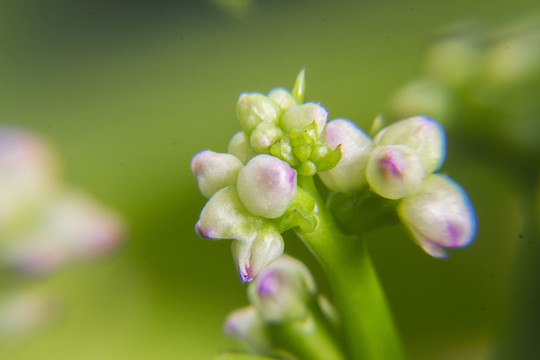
283, 150
307, 168
299, 88
300, 213
330, 160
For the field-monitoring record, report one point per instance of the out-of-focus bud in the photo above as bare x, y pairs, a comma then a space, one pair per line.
239, 146
224, 217
266, 186
214, 171
299, 116
282, 291
28, 176
254, 108
264, 135
439, 216
246, 326
395, 171
421, 133
71, 228
252, 257
282, 97
299, 89
348, 176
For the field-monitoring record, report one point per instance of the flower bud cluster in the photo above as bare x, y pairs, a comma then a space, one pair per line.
398, 164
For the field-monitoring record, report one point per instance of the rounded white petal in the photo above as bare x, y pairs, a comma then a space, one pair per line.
299, 116
348, 176
266, 186
439, 216
214, 171
421, 133
395, 171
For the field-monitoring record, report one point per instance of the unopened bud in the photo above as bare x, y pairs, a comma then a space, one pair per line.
246, 326
254, 108
282, 97
264, 136
439, 216
266, 186
299, 116
348, 176
421, 133
395, 171
239, 146
214, 171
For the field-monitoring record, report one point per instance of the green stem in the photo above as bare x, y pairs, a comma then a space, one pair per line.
368, 325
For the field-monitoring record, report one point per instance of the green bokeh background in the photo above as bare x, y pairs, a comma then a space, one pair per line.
128, 92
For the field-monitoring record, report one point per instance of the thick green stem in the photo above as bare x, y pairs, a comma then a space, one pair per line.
359, 297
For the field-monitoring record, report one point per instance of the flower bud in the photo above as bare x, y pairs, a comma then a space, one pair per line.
282, 97
282, 291
395, 171
348, 176
266, 186
252, 257
254, 108
224, 217
439, 216
421, 133
264, 135
246, 326
239, 146
214, 171
299, 116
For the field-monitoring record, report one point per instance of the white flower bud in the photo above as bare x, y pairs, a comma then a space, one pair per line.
266, 186
282, 97
299, 116
246, 326
264, 135
224, 217
281, 292
214, 171
395, 171
254, 108
421, 133
252, 257
348, 176
439, 216
239, 146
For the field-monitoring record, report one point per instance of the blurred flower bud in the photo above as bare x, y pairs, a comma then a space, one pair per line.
239, 146
214, 171
348, 176
282, 97
266, 186
224, 217
246, 326
299, 89
395, 171
252, 257
421, 133
439, 216
282, 291
71, 228
254, 108
264, 135
299, 116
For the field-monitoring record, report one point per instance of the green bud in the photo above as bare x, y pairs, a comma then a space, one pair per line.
283, 150
282, 97
300, 87
264, 136
254, 108
303, 152
300, 116
330, 160
307, 168
239, 146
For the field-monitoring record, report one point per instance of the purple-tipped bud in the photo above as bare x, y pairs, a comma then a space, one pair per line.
281, 292
254, 108
395, 171
224, 217
439, 216
421, 133
252, 257
266, 186
246, 326
300, 116
214, 171
348, 176
282, 97
239, 146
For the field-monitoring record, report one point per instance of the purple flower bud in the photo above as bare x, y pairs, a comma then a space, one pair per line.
266, 186
214, 171
281, 292
300, 116
439, 216
395, 171
246, 326
348, 176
